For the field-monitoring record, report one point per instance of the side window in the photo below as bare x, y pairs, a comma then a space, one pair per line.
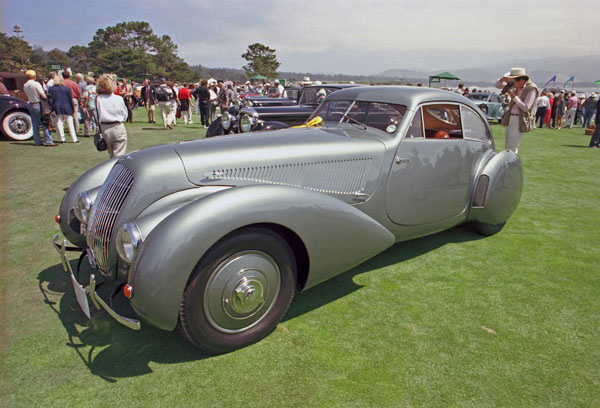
495, 98
473, 126
415, 131
442, 121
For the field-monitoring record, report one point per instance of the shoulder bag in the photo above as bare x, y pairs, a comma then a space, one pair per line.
98, 138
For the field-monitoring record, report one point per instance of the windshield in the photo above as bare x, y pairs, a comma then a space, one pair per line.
378, 115
314, 96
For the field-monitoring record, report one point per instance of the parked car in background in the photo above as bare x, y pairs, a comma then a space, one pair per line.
252, 119
215, 236
291, 98
14, 118
489, 103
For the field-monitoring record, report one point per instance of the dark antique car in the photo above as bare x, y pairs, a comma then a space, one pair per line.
215, 236
14, 118
292, 97
251, 119
489, 103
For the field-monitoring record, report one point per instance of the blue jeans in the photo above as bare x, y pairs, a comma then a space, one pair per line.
588, 114
36, 122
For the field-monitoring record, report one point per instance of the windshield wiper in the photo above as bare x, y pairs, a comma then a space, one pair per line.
362, 125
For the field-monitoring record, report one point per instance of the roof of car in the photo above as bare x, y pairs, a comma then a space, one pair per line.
400, 95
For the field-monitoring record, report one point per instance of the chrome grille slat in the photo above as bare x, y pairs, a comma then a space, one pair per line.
105, 211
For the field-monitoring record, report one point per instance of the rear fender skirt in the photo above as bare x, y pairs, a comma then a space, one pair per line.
497, 189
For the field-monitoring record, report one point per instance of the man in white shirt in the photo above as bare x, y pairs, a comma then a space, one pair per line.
543, 103
35, 94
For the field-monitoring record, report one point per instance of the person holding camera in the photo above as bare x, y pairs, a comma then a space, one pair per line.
519, 117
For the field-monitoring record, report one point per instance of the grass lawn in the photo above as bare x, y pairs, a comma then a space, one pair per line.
452, 319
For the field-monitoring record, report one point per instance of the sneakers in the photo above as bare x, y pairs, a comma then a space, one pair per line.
50, 144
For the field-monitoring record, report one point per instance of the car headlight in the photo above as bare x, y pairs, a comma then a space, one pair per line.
84, 206
129, 239
226, 121
246, 123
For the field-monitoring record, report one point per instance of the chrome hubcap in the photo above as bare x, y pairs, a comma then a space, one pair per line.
241, 291
19, 125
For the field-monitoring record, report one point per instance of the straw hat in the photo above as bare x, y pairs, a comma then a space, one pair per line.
515, 73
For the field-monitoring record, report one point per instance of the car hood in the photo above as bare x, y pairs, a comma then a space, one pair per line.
338, 162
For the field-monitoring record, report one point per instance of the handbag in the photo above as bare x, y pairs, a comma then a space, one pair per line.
99, 141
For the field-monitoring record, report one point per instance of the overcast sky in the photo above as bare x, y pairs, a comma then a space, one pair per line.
328, 36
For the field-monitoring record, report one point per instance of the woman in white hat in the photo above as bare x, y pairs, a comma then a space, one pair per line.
519, 117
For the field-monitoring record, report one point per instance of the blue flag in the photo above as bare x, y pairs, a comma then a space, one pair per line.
553, 79
568, 80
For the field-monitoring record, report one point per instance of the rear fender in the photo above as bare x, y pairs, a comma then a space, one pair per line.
498, 189
336, 237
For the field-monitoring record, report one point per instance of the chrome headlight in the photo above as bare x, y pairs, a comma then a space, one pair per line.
246, 123
226, 121
84, 206
129, 239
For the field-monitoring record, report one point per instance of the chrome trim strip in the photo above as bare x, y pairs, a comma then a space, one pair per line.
90, 290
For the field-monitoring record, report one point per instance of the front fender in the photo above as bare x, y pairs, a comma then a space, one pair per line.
94, 177
495, 199
272, 125
336, 236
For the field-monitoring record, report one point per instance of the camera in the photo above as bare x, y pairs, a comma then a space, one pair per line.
507, 87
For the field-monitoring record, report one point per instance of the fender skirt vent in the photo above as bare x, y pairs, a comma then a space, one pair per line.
481, 191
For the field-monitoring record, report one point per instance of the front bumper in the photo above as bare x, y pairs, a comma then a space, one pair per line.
81, 293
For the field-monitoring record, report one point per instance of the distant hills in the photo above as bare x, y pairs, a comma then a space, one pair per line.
585, 69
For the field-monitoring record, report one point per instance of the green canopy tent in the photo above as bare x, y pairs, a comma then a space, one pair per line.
444, 75
597, 82
258, 77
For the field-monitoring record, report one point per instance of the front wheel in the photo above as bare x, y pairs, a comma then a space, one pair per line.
17, 125
239, 291
488, 229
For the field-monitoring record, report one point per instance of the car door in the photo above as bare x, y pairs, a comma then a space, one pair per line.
431, 176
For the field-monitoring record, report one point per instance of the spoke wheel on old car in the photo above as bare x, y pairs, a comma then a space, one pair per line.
17, 125
239, 291
487, 229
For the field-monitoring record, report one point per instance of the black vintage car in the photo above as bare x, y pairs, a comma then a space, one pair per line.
291, 97
251, 118
14, 118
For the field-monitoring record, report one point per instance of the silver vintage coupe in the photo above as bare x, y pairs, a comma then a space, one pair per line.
215, 236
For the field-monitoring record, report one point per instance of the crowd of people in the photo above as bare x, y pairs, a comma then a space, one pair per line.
60, 101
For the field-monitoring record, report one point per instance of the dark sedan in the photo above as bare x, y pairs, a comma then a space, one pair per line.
251, 119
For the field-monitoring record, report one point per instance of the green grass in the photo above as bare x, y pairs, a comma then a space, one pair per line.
413, 326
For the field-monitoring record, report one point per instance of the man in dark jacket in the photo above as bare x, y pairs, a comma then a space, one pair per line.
149, 100
202, 95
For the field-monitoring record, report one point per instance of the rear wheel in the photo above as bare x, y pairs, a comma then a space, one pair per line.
16, 125
488, 229
239, 291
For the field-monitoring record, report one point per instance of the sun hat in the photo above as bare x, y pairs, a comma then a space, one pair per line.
515, 73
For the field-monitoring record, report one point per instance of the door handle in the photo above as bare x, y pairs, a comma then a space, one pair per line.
400, 160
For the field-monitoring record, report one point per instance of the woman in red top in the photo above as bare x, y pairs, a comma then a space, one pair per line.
548, 114
186, 106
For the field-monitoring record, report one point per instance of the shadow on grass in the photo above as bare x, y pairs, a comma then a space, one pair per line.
343, 284
127, 353
570, 145
107, 348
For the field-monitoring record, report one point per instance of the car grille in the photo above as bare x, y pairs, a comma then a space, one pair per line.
105, 211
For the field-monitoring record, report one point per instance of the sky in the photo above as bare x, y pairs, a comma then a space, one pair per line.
328, 36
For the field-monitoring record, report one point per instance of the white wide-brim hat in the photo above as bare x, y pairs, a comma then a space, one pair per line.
515, 73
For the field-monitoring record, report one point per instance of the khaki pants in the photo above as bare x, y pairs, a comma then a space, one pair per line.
115, 136
76, 114
165, 112
60, 127
150, 112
